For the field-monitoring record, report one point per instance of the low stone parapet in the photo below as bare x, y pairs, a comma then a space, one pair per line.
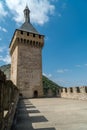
74, 92
9, 96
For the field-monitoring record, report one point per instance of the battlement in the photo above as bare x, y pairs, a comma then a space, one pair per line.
22, 37
74, 92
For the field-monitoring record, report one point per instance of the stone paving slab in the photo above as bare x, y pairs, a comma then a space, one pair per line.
52, 114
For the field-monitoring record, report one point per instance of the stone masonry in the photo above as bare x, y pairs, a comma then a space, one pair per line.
9, 96
26, 59
74, 93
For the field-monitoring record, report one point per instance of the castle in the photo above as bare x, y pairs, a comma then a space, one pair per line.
26, 59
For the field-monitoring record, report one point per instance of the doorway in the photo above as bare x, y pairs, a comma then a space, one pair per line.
35, 94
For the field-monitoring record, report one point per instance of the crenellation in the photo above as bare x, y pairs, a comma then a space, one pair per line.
82, 89
65, 90
75, 93
33, 43
71, 90
85, 89
29, 35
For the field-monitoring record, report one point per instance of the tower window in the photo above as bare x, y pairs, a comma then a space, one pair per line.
27, 41
28, 34
39, 36
33, 42
36, 43
24, 40
21, 32
21, 40
30, 42
39, 43
33, 35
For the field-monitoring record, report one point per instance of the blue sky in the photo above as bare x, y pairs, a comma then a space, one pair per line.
64, 24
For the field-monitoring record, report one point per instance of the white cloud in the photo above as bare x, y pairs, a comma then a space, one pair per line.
3, 13
5, 59
40, 10
63, 70
85, 64
78, 66
60, 71
47, 75
62, 82
3, 29
2, 49
44, 74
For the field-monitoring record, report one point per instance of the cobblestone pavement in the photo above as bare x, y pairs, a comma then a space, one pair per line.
51, 114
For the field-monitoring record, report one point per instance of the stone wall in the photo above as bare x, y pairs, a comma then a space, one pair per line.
50, 93
8, 101
74, 92
26, 63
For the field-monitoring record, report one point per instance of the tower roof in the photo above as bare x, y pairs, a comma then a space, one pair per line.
27, 26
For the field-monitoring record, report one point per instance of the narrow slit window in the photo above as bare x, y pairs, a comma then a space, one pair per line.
21, 32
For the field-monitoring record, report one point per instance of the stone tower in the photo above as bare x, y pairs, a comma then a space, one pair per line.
26, 59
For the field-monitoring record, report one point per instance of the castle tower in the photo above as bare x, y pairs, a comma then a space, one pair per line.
26, 59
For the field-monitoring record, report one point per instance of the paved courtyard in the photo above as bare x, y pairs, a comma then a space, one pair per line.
52, 114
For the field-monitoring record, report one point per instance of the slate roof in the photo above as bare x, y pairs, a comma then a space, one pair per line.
28, 27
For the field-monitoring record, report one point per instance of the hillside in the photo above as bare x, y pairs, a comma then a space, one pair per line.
47, 83
6, 70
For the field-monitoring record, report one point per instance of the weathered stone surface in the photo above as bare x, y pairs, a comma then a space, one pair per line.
8, 100
2, 81
75, 93
26, 63
51, 114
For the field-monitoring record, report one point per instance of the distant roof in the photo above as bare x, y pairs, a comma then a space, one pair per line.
27, 26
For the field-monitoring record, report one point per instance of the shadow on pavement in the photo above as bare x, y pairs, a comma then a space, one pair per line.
23, 120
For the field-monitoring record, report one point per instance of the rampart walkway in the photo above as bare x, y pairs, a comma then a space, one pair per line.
51, 114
